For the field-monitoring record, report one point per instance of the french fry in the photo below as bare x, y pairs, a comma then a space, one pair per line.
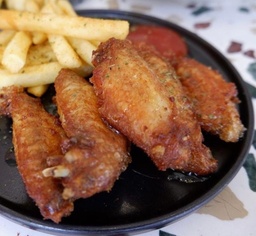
95, 43
37, 75
84, 70
39, 90
65, 54
6, 36
77, 27
38, 37
34, 6
59, 43
52, 7
56, 38
58, 7
31, 6
14, 4
40, 3
2, 48
83, 48
31, 76
40, 54
15, 53
66, 7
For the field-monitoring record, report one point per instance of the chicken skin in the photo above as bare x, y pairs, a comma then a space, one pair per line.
36, 135
94, 154
214, 100
134, 99
201, 157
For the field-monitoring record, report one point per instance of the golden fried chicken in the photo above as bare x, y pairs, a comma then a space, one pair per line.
36, 135
201, 157
95, 154
134, 100
214, 100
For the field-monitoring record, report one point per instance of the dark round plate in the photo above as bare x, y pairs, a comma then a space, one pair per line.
143, 198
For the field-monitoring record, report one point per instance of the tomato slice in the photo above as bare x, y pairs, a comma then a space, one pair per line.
166, 41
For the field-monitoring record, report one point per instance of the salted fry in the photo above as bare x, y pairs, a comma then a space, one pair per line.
83, 48
39, 2
66, 7
84, 70
14, 4
6, 36
77, 27
53, 8
31, 6
59, 43
37, 75
39, 90
15, 53
2, 48
38, 37
54, 38
31, 76
64, 52
95, 43
40, 54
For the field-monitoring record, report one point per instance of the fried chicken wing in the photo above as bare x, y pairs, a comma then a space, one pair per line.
213, 98
136, 102
36, 135
201, 157
95, 155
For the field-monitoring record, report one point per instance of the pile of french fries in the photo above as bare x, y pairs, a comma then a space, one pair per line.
39, 37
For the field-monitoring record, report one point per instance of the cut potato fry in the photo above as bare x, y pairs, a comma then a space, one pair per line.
65, 54
77, 27
66, 7
83, 48
31, 76
84, 71
31, 6
38, 37
40, 54
40, 2
37, 75
15, 53
15, 4
6, 36
39, 90
53, 8
2, 48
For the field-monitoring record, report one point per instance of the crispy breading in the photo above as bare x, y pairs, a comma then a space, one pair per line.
37, 135
95, 155
134, 100
201, 157
214, 99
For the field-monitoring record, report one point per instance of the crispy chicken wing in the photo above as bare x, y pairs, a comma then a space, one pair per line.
201, 157
214, 100
36, 135
95, 155
134, 100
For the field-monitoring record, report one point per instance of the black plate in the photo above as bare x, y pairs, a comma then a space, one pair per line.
143, 198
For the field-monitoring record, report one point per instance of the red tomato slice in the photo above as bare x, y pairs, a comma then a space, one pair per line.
166, 41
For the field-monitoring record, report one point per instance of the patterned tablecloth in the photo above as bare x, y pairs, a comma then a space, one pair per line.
230, 26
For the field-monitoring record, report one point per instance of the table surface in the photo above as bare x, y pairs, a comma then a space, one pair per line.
223, 24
